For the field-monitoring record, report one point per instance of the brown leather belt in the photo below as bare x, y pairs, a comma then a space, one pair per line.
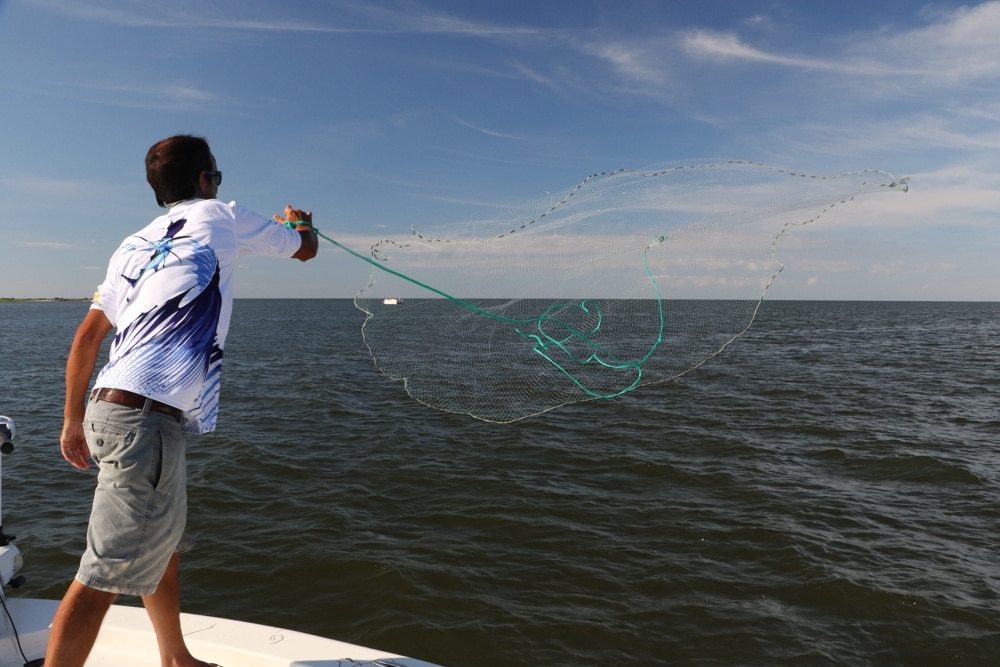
132, 400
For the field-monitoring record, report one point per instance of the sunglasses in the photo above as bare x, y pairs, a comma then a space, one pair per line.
216, 177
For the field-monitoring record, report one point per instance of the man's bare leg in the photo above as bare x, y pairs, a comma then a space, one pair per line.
76, 624
164, 609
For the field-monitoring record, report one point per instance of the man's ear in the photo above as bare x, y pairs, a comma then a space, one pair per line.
201, 185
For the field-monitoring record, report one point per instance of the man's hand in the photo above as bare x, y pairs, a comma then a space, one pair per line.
74, 444
295, 215
302, 223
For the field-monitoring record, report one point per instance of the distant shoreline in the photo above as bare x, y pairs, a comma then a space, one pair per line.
6, 299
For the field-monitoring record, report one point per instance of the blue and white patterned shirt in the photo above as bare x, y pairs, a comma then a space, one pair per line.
169, 293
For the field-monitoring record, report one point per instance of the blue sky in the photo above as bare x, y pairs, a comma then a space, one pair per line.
382, 115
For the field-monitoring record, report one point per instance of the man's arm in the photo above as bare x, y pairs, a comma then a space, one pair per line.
310, 242
79, 369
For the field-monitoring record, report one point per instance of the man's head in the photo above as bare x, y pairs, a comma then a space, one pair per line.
181, 167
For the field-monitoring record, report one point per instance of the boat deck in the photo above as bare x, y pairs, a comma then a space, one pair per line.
127, 640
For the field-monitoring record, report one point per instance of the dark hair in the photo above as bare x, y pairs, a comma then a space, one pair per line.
173, 166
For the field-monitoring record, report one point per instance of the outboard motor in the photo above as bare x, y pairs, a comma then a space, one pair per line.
10, 556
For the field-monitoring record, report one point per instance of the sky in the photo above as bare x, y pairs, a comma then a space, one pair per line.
380, 116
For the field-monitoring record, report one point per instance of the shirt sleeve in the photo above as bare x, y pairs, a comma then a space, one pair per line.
263, 236
106, 297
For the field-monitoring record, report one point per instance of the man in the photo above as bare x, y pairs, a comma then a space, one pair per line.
168, 294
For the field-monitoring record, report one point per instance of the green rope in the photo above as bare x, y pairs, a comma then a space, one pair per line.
542, 341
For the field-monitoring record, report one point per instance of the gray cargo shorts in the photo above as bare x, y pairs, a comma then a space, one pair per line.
140, 506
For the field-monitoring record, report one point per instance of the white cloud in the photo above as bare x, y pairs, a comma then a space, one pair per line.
354, 17
727, 45
637, 61
958, 47
45, 244
172, 96
486, 131
954, 48
952, 196
179, 14
759, 21
54, 188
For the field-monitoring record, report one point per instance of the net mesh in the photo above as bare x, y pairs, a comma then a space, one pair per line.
629, 278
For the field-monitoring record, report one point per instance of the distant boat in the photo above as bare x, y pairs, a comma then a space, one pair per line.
391, 301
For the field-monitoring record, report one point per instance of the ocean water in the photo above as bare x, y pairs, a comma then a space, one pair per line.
826, 492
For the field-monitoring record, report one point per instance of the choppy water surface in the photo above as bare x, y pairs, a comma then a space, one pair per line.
827, 492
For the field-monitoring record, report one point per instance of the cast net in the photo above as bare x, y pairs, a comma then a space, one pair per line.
630, 278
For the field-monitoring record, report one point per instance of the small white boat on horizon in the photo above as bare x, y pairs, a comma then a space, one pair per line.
391, 301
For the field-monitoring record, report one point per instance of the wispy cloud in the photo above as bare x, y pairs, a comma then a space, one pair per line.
42, 186
52, 245
122, 90
958, 44
423, 20
178, 95
354, 17
727, 45
953, 48
637, 62
179, 14
488, 132
59, 194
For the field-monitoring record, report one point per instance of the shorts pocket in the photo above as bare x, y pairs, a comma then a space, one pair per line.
129, 458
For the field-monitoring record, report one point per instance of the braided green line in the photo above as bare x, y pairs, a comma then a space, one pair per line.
542, 340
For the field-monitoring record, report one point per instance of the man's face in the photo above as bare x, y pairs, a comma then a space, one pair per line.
213, 190
206, 187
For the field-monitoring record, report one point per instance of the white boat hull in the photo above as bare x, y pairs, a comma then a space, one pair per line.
127, 640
